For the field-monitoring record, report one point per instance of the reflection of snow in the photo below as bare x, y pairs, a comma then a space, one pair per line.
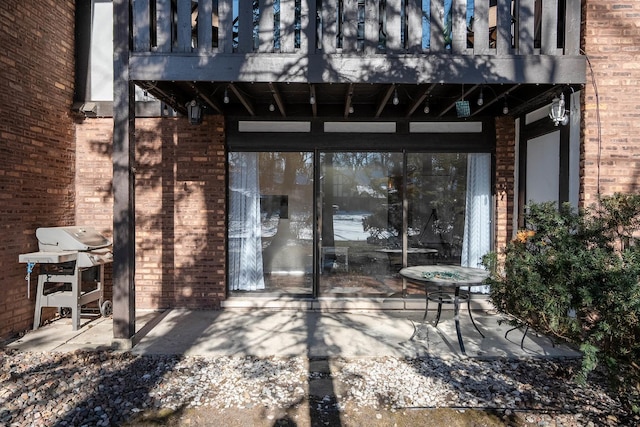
368, 191
346, 227
298, 225
269, 226
349, 227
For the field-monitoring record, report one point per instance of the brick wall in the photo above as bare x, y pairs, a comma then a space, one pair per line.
612, 43
36, 140
504, 180
180, 206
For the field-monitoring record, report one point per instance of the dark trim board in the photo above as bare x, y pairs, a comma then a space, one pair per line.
400, 69
534, 130
401, 140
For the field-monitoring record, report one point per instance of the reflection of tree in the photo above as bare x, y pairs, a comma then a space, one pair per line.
438, 199
285, 188
327, 201
435, 189
386, 221
286, 174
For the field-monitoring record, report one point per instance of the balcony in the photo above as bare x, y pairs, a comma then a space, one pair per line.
281, 56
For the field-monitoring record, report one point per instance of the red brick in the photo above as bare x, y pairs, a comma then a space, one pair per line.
180, 247
37, 144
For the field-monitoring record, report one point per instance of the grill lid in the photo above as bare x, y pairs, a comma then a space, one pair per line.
56, 239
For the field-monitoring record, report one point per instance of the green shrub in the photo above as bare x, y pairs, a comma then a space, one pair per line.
575, 275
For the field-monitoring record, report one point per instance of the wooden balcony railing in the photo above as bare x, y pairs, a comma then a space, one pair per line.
364, 27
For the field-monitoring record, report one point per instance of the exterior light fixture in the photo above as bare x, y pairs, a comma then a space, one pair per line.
312, 99
351, 109
480, 100
272, 107
426, 110
505, 107
194, 111
396, 100
463, 110
226, 97
557, 112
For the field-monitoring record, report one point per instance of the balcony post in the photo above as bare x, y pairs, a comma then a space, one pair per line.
123, 155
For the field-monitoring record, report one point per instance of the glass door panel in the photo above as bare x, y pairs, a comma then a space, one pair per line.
271, 222
360, 223
436, 206
375, 213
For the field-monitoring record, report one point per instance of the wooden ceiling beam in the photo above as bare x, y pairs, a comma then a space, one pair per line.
426, 91
496, 99
243, 100
462, 97
206, 99
313, 100
277, 98
384, 100
348, 99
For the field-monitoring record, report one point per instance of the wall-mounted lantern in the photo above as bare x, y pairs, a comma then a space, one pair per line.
557, 112
194, 111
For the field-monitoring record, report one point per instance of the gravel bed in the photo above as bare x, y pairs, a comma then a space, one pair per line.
106, 388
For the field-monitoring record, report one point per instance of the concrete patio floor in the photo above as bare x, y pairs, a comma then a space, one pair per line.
316, 334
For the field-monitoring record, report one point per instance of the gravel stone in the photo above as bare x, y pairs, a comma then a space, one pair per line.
110, 388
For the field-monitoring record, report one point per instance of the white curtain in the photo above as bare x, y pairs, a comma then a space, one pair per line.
245, 243
477, 222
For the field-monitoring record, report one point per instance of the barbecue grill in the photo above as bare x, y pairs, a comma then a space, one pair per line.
71, 276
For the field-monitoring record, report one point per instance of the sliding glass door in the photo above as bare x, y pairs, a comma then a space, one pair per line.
449, 207
271, 222
343, 223
360, 223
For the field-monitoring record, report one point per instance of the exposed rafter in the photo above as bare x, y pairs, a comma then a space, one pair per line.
206, 99
278, 99
313, 100
416, 103
348, 99
384, 100
496, 99
338, 100
545, 97
154, 90
464, 95
243, 100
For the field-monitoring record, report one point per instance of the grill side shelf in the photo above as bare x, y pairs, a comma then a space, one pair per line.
48, 257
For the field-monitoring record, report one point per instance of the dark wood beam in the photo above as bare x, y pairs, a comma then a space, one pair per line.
314, 104
123, 183
348, 99
496, 98
243, 100
277, 98
536, 101
346, 68
462, 96
206, 99
416, 103
154, 90
384, 100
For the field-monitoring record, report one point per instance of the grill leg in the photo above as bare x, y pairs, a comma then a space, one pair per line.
38, 311
76, 292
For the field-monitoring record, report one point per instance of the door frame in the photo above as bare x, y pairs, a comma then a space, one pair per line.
413, 136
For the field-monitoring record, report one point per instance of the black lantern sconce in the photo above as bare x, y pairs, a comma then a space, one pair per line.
194, 111
557, 111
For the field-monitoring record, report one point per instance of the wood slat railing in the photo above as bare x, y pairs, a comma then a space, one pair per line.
366, 27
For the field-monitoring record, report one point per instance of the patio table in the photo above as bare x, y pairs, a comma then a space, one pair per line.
395, 254
447, 278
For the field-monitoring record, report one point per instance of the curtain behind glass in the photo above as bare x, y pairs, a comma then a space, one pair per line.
245, 243
477, 223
